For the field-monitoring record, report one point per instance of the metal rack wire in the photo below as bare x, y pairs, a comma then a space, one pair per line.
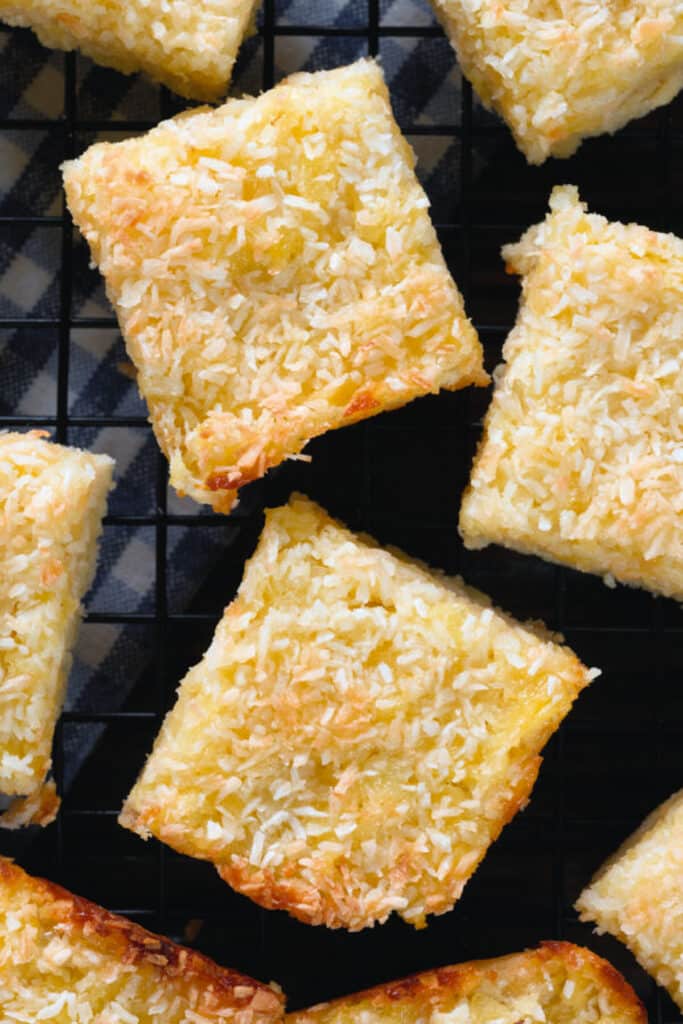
615, 758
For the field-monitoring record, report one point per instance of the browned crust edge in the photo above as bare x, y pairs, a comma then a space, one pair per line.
134, 945
462, 978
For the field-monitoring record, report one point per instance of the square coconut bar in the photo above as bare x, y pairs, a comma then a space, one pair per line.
358, 733
188, 45
65, 959
582, 456
637, 896
275, 273
561, 70
52, 500
557, 983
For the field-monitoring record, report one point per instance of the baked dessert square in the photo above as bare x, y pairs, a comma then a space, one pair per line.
357, 734
190, 47
637, 896
52, 500
581, 461
557, 983
64, 958
275, 273
559, 71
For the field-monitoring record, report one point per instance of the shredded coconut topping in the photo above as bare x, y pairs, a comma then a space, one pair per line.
357, 734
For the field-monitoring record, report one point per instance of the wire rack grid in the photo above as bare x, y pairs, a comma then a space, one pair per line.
617, 755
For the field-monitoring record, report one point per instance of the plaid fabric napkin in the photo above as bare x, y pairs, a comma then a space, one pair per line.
425, 88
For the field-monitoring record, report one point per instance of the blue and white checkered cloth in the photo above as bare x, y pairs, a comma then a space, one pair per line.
425, 88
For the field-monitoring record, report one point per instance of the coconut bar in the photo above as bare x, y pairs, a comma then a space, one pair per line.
52, 500
357, 734
637, 896
559, 71
581, 460
557, 983
188, 45
275, 274
63, 958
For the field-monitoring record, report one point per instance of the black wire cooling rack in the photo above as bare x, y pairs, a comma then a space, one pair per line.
399, 477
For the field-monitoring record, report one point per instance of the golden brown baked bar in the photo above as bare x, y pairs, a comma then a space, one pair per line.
561, 70
52, 500
358, 733
558, 983
581, 461
275, 273
188, 45
67, 960
638, 896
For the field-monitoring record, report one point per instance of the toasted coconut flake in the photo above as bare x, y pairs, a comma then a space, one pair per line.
188, 45
68, 960
561, 70
245, 252
358, 733
578, 462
